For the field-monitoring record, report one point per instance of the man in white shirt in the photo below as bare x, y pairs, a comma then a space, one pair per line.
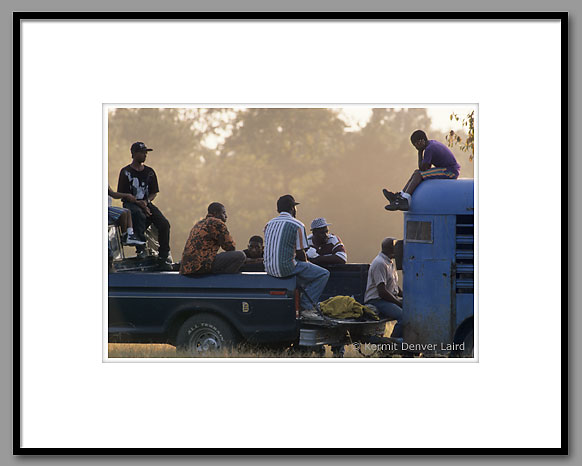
325, 248
382, 289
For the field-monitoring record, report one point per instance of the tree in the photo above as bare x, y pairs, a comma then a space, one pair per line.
271, 152
466, 142
177, 159
379, 155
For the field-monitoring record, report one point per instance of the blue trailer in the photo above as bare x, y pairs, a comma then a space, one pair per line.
438, 268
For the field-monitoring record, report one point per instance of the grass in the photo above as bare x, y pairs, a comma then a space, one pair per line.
124, 350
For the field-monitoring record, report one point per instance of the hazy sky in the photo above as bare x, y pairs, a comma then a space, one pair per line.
440, 116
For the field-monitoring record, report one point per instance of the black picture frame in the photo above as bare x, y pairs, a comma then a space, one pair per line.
18, 17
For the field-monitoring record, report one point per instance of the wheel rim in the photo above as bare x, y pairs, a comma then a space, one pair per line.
469, 344
205, 340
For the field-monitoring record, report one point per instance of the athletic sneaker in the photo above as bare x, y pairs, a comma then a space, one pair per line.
310, 314
165, 264
141, 254
131, 240
389, 195
399, 203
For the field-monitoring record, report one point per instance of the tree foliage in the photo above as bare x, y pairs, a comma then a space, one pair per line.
247, 158
466, 141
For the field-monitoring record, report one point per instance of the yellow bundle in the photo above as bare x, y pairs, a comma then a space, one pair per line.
345, 307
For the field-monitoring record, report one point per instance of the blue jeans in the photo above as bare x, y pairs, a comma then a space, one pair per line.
312, 278
390, 311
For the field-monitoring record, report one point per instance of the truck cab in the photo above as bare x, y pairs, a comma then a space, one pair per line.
438, 267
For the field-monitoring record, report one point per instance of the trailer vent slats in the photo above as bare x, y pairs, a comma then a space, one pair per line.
464, 254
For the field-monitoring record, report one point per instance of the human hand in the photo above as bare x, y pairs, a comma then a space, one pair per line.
312, 253
144, 206
129, 197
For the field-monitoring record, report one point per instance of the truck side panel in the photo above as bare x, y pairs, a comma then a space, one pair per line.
149, 307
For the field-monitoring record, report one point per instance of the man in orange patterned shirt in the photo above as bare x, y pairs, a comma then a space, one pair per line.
206, 237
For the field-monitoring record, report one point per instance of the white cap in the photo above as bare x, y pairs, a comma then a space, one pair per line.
319, 223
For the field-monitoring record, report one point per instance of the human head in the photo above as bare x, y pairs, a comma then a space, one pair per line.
217, 210
419, 139
255, 247
320, 230
287, 204
388, 247
139, 151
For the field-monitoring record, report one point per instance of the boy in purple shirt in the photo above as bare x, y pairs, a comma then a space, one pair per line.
430, 152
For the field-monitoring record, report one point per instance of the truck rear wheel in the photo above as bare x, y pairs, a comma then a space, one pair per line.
203, 334
468, 343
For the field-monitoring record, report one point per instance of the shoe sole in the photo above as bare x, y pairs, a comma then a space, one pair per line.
395, 207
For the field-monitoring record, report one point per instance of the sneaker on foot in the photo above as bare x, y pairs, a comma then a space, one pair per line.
165, 264
310, 314
399, 203
389, 195
142, 254
131, 240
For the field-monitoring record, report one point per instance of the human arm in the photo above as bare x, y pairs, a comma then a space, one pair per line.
153, 187
125, 196
256, 260
387, 296
424, 159
338, 253
225, 241
301, 245
328, 259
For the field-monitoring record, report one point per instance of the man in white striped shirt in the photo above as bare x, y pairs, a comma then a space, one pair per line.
284, 256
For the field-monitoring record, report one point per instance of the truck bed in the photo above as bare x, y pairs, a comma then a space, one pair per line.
151, 307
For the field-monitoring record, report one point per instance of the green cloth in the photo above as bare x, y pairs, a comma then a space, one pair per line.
345, 307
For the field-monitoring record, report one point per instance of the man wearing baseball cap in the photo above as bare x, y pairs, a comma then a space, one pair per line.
284, 256
141, 181
325, 248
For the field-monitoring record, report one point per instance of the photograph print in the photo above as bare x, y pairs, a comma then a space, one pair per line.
303, 232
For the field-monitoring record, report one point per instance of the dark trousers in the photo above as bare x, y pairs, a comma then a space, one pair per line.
228, 262
141, 222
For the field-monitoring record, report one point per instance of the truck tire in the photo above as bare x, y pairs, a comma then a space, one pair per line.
204, 334
467, 351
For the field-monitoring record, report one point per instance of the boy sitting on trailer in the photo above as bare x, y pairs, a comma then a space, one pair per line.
430, 153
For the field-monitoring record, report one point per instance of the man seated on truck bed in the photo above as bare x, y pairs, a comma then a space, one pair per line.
325, 248
285, 245
254, 251
382, 289
430, 152
206, 237
122, 218
141, 182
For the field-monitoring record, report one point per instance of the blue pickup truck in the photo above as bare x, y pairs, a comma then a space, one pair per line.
204, 313
207, 312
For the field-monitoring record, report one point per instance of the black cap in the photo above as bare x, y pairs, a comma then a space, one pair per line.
285, 203
139, 147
